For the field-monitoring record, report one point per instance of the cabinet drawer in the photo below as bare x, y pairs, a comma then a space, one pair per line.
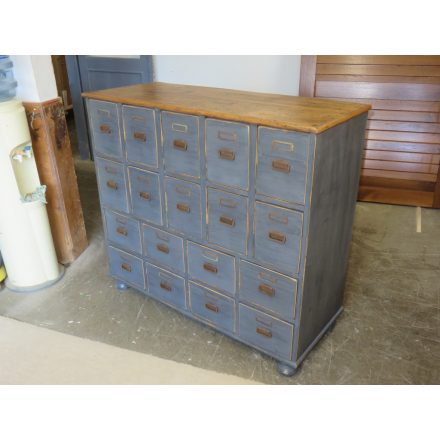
211, 267
112, 186
181, 147
278, 233
183, 206
104, 124
126, 267
123, 231
227, 220
145, 195
164, 248
282, 164
265, 332
227, 153
140, 135
267, 289
166, 286
212, 307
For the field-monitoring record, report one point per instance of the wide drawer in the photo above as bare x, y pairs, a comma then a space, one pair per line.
227, 220
112, 186
269, 290
181, 147
282, 164
163, 247
127, 267
104, 124
145, 195
140, 135
265, 332
278, 233
227, 153
166, 286
210, 306
211, 267
123, 231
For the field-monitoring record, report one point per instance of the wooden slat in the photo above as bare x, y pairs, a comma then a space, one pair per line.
403, 136
400, 175
390, 115
402, 146
385, 182
377, 70
417, 60
418, 127
307, 75
398, 156
400, 166
381, 79
394, 196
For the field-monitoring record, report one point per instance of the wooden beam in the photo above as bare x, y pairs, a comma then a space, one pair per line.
307, 75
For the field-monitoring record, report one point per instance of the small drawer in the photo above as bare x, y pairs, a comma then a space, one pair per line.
227, 153
140, 135
282, 164
183, 202
123, 231
164, 248
265, 332
145, 195
269, 290
126, 267
104, 123
211, 267
112, 186
166, 286
181, 146
278, 233
210, 306
227, 220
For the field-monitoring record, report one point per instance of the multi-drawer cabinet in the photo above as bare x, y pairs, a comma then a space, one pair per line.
235, 208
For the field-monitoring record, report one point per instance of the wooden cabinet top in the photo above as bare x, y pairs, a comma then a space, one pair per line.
309, 115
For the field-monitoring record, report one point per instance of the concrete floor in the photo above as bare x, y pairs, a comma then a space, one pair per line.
389, 332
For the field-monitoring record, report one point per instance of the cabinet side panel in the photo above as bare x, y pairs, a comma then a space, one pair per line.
335, 184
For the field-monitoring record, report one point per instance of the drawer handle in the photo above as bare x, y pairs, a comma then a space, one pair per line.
281, 165
226, 136
179, 127
139, 136
138, 118
229, 221
226, 154
122, 231
126, 267
144, 195
112, 184
183, 207
278, 218
277, 236
105, 129
180, 144
211, 307
210, 267
264, 332
103, 112
267, 290
165, 286
163, 248
228, 203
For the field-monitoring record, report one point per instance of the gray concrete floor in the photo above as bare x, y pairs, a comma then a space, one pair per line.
389, 332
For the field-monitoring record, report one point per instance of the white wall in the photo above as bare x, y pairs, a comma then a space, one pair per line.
258, 73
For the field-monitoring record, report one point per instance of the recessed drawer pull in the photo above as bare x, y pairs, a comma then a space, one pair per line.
165, 286
163, 248
226, 136
112, 184
138, 118
281, 165
179, 127
264, 332
278, 218
126, 267
105, 129
277, 236
103, 112
122, 231
267, 290
183, 207
228, 203
144, 195
227, 221
180, 144
210, 267
226, 154
212, 307
139, 136
183, 190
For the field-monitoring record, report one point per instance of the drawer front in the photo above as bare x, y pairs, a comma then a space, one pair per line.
212, 307
278, 233
140, 135
126, 267
145, 195
183, 206
227, 153
266, 332
112, 186
181, 147
269, 290
123, 231
282, 164
166, 286
227, 220
211, 267
104, 124
164, 248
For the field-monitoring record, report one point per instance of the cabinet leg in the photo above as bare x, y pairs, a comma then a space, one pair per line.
285, 369
121, 285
